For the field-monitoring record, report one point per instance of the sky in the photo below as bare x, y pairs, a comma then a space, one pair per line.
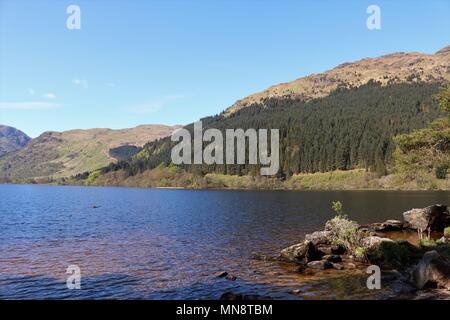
173, 62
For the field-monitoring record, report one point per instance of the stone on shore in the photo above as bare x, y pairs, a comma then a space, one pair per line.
435, 217
301, 253
432, 269
319, 237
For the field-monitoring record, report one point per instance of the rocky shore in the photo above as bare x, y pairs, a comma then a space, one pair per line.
414, 253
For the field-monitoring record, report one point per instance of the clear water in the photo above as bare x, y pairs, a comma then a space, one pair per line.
167, 244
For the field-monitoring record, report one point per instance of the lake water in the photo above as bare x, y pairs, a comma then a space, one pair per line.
167, 244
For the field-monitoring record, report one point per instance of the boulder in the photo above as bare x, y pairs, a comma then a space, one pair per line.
331, 249
301, 253
432, 269
435, 217
320, 265
319, 237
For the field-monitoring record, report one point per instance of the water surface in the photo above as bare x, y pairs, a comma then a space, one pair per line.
167, 244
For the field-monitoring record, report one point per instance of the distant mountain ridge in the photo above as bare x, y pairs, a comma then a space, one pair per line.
388, 69
12, 139
62, 154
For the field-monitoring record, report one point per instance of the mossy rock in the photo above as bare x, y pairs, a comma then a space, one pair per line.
394, 255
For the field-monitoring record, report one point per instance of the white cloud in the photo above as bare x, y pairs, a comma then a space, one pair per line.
31, 105
31, 91
155, 105
81, 82
49, 95
110, 84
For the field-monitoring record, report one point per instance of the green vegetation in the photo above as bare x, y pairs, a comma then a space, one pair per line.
92, 177
349, 129
345, 232
426, 152
395, 254
447, 231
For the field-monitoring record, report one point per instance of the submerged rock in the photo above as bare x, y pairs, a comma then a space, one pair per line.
230, 277
337, 266
432, 269
302, 253
238, 296
435, 217
221, 274
320, 265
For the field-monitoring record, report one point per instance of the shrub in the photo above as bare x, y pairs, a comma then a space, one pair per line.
346, 233
441, 171
92, 177
427, 242
447, 231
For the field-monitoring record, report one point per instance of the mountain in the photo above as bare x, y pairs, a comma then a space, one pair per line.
62, 154
12, 139
393, 68
341, 119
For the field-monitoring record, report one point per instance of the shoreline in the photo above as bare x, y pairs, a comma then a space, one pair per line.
414, 266
223, 188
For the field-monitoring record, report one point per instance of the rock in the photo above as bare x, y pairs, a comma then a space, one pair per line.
337, 266
221, 274
432, 269
319, 237
435, 217
372, 242
302, 253
331, 249
393, 254
388, 225
230, 277
320, 265
332, 258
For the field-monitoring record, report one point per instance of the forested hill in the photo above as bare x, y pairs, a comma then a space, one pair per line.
394, 68
347, 129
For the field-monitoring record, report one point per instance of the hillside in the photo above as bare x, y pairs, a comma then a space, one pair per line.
12, 139
390, 69
62, 154
343, 119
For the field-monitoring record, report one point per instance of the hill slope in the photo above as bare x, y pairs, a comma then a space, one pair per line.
62, 154
342, 119
12, 139
389, 69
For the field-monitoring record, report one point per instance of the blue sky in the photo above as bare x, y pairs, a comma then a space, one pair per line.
173, 62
